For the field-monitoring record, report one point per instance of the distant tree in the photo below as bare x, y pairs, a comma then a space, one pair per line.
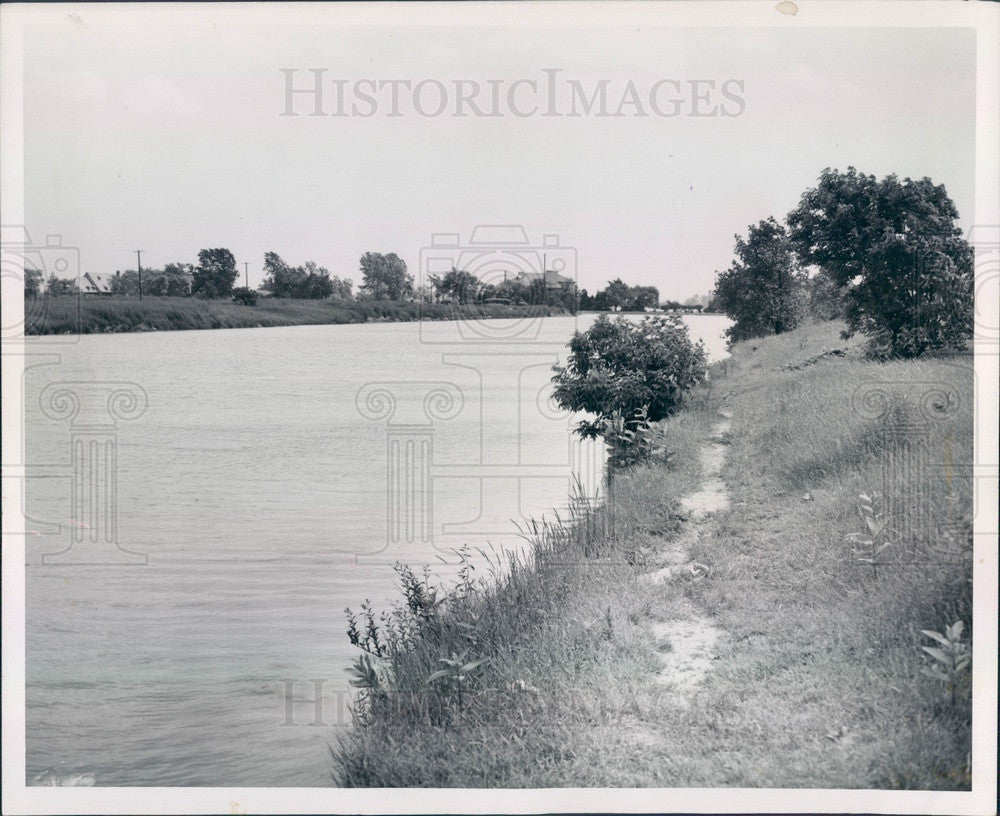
177, 279
342, 287
174, 280
643, 297
698, 300
62, 286
280, 279
215, 274
33, 279
457, 284
762, 289
618, 296
385, 276
895, 251
623, 368
317, 285
305, 282
614, 297
825, 298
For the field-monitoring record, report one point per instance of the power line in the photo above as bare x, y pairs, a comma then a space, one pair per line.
138, 254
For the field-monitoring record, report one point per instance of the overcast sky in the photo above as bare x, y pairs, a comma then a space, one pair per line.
167, 138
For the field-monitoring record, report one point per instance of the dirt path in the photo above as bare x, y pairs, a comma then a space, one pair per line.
688, 641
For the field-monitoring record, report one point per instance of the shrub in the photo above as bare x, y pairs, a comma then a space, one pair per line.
629, 369
245, 295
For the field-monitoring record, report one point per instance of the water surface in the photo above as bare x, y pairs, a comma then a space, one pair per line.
273, 479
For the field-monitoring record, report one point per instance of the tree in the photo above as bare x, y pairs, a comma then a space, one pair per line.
177, 279
306, 282
623, 368
895, 252
215, 274
643, 297
613, 297
32, 282
762, 289
457, 284
385, 276
826, 299
618, 296
174, 280
62, 286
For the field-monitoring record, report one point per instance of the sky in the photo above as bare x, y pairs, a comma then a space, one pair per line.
165, 137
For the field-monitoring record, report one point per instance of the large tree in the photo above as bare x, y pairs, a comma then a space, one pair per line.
457, 284
215, 274
893, 248
385, 276
762, 289
306, 282
174, 280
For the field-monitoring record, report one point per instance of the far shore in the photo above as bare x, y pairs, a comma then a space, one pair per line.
110, 315
68, 314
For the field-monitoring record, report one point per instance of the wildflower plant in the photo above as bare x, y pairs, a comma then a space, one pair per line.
952, 657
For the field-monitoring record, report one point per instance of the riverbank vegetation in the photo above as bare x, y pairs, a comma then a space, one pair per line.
821, 678
70, 314
885, 256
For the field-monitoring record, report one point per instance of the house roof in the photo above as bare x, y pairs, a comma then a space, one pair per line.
92, 282
551, 277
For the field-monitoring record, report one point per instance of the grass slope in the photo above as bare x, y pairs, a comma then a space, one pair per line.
817, 679
90, 315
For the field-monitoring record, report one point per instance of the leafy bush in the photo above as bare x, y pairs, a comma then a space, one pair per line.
627, 446
629, 369
244, 295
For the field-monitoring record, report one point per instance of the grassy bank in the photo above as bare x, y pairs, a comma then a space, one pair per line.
92, 315
817, 678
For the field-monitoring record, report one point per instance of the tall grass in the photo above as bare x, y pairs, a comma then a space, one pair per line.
821, 679
90, 315
542, 621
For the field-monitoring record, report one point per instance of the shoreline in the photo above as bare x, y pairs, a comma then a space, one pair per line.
68, 315
49, 316
807, 671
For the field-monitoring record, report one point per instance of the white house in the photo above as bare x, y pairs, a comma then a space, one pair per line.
94, 284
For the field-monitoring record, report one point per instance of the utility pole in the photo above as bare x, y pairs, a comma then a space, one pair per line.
138, 254
246, 273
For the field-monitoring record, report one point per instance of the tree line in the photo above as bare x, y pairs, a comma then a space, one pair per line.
886, 256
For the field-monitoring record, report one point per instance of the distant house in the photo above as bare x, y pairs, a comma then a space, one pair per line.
94, 284
553, 280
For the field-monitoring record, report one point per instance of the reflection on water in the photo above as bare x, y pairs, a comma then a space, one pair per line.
273, 479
